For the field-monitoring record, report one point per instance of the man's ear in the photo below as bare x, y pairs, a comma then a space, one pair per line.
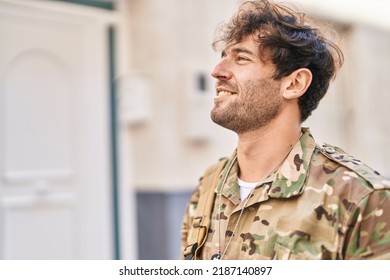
296, 84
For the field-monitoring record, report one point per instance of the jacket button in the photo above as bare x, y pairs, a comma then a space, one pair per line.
329, 150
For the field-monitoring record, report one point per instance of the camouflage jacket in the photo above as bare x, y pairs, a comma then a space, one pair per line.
321, 204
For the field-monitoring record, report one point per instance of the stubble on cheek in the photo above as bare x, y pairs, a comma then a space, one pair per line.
260, 106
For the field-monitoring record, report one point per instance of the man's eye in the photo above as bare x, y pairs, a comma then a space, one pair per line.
242, 58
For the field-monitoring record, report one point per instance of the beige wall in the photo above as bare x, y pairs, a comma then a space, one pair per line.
170, 42
366, 89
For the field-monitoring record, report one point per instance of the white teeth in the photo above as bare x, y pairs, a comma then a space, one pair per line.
224, 93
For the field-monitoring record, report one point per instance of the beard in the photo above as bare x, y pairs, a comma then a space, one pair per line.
255, 106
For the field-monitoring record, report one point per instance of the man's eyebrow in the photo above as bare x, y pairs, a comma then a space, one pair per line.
242, 50
237, 50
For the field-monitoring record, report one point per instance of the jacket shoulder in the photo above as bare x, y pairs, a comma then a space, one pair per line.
214, 167
206, 179
373, 177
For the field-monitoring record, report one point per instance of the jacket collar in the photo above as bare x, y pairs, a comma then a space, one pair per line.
291, 175
288, 180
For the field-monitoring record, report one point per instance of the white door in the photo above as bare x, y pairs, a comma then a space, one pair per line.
55, 162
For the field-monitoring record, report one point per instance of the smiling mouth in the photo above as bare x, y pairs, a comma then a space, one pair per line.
224, 93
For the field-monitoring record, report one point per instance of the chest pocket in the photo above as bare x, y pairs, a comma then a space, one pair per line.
309, 241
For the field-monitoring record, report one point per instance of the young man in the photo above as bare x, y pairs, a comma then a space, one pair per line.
280, 195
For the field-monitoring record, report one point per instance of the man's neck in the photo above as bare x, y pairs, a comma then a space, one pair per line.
260, 152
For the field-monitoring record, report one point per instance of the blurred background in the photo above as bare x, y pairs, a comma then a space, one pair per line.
104, 117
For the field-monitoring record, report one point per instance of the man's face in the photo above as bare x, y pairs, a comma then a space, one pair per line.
247, 97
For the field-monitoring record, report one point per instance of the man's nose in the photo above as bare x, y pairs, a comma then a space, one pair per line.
221, 71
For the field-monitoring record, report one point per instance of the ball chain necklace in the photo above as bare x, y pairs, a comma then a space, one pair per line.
219, 255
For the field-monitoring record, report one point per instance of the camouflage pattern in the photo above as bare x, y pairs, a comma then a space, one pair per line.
321, 204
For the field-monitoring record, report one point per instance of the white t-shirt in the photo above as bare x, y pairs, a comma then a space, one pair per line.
246, 188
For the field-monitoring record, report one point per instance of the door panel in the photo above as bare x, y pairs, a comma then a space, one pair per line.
38, 125
32, 233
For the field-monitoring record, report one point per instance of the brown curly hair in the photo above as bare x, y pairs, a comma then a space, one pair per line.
289, 43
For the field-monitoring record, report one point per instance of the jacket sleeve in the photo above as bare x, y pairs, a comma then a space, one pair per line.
369, 235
